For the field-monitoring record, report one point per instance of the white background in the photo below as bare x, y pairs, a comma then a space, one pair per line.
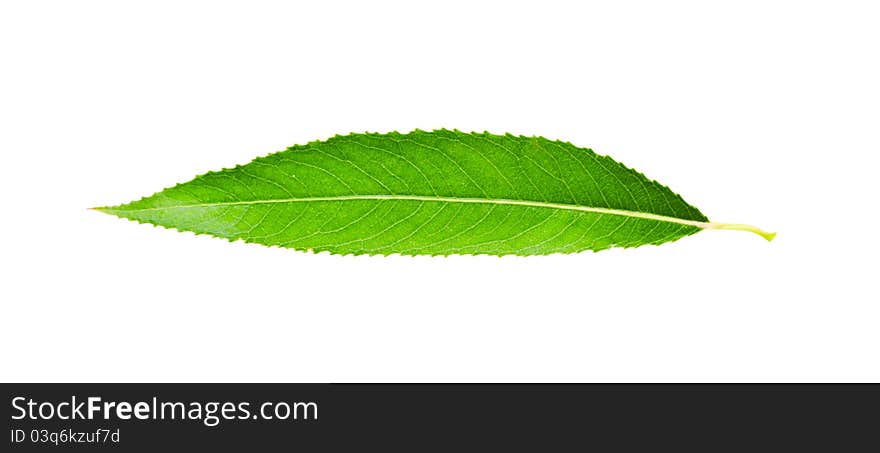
761, 112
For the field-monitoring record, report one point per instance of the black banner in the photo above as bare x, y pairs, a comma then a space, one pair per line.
413, 417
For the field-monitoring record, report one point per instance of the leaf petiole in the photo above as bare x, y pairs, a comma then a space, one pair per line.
740, 227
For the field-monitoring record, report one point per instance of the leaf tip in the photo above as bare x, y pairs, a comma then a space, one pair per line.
109, 210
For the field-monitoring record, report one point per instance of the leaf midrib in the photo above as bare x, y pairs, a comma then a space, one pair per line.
440, 199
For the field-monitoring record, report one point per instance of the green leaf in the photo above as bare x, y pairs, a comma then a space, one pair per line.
429, 193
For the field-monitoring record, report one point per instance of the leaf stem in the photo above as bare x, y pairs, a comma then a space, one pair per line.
740, 227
